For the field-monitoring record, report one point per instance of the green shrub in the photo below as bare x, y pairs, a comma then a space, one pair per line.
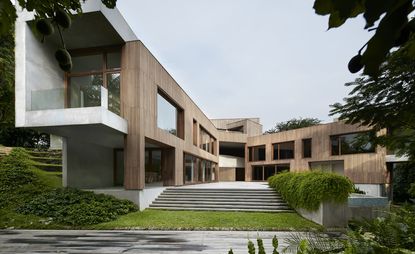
77, 207
308, 189
411, 191
18, 159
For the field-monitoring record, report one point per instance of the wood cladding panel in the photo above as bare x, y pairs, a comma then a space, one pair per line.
361, 168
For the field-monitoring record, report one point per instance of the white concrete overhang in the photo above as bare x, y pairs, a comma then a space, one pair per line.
227, 161
95, 125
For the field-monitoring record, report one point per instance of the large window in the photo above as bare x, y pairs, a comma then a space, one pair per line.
90, 72
263, 172
352, 143
256, 153
197, 170
284, 150
307, 148
169, 116
152, 165
207, 141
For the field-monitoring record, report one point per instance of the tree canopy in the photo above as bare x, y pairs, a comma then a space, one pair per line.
385, 102
292, 124
41, 9
388, 18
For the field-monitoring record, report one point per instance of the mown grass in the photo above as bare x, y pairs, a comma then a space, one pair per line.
209, 220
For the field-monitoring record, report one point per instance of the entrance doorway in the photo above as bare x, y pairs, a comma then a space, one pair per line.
240, 174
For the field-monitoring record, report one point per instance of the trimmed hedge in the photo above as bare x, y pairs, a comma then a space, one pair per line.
308, 189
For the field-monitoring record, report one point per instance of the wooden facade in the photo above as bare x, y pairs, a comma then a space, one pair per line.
142, 77
367, 168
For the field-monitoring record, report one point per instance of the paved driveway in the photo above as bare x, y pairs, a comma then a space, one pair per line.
88, 241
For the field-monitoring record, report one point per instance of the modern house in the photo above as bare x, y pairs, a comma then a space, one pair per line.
129, 129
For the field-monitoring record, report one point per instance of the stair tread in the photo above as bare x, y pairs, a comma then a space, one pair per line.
221, 209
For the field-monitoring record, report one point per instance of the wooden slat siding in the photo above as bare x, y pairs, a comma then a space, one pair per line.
130, 105
361, 168
227, 174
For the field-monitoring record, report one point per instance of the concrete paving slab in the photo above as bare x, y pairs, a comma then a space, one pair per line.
132, 241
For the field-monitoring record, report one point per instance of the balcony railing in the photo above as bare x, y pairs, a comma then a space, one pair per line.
56, 98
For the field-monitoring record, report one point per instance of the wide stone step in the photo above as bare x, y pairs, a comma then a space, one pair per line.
222, 209
222, 193
179, 202
263, 207
191, 196
225, 199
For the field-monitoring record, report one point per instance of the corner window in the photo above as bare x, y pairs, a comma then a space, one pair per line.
283, 151
352, 143
256, 153
90, 72
306, 148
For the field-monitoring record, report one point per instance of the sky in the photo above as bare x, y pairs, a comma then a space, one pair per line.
250, 58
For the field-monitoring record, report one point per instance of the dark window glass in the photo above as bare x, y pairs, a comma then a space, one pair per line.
307, 148
87, 63
284, 150
275, 152
269, 171
335, 147
114, 60
257, 173
352, 143
257, 153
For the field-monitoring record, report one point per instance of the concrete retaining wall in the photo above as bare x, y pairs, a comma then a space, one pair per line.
337, 215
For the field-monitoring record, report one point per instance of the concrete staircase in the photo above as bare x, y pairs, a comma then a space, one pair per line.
198, 199
47, 160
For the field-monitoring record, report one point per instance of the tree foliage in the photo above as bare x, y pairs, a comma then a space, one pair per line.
389, 19
292, 124
41, 9
385, 102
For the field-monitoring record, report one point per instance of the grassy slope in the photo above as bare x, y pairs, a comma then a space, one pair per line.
190, 220
10, 219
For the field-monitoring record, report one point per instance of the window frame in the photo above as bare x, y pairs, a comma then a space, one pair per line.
339, 143
279, 150
104, 71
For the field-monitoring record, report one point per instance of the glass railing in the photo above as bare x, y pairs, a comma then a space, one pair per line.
47, 99
77, 97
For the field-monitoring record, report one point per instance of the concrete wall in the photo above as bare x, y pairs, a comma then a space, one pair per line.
329, 214
90, 166
227, 174
44, 79
228, 161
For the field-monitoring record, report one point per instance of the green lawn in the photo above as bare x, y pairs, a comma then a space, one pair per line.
203, 220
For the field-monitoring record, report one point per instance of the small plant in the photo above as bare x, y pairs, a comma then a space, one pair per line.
357, 190
261, 249
251, 247
230, 251
275, 245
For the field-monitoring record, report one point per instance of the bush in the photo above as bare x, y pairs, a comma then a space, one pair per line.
18, 159
403, 176
308, 189
411, 191
77, 207
16, 179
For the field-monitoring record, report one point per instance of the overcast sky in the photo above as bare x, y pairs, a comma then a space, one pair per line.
250, 58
